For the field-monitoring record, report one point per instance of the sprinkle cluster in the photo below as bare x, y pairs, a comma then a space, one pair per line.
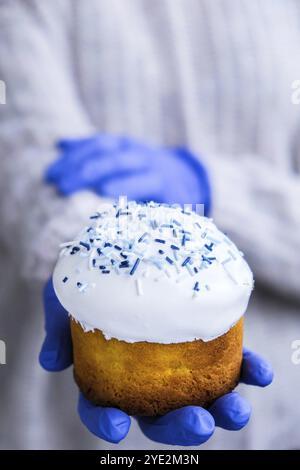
135, 238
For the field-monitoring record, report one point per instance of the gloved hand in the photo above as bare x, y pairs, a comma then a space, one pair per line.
112, 166
190, 425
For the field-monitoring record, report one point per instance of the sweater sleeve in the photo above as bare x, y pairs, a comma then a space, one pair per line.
257, 204
42, 105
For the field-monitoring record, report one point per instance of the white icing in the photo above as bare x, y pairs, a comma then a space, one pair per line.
163, 301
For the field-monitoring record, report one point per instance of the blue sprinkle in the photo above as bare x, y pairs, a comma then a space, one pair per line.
134, 267
167, 225
65, 279
96, 216
102, 266
106, 271
159, 240
198, 225
209, 247
107, 244
99, 251
195, 270
86, 245
74, 250
112, 261
89, 229
142, 237
185, 239
170, 261
117, 214
79, 284
124, 264
123, 256
177, 223
196, 286
161, 252
174, 247
186, 261
174, 233
91, 240
208, 259
154, 224
94, 262
117, 247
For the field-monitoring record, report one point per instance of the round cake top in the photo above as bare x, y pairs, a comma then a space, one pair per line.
152, 272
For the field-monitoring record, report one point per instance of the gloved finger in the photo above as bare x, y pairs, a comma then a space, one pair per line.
255, 369
187, 426
70, 161
108, 141
231, 411
77, 151
65, 145
143, 186
101, 168
56, 352
109, 424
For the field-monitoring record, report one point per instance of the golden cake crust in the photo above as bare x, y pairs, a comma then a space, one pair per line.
150, 379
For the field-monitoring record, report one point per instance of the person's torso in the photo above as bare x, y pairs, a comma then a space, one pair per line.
215, 76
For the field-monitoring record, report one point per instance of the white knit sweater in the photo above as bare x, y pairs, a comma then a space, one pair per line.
213, 75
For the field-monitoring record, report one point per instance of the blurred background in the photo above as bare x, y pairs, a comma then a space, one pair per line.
215, 77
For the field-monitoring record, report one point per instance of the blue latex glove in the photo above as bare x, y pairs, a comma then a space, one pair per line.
190, 425
112, 166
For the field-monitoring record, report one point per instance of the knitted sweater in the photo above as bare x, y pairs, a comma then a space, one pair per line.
212, 75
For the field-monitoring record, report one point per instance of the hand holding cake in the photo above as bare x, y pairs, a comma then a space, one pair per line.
156, 296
